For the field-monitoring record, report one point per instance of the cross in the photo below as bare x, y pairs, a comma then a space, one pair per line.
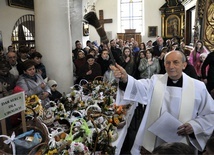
102, 20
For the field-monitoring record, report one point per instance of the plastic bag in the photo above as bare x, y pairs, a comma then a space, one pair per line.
28, 139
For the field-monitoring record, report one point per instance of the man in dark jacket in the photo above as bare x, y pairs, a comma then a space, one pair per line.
157, 49
209, 78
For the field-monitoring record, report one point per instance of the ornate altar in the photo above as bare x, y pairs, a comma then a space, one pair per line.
130, 33
172, 19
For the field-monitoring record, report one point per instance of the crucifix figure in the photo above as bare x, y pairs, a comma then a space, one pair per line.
102, 20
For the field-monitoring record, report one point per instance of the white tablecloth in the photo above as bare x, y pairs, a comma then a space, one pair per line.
122, 132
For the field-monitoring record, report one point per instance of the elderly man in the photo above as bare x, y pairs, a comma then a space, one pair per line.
157, 48
182, 98
12, 59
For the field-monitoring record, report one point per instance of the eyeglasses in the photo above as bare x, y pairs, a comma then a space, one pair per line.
54, 85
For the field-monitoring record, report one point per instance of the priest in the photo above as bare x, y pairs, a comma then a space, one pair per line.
170, 98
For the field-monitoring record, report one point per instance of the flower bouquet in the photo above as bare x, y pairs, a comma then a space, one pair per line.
33, 102
77, 148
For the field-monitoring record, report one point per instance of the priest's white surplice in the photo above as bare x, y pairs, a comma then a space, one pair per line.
200, 107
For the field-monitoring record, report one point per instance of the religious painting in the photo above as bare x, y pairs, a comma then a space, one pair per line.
85, 29
1, 41
152, 31
26, 4
172, 26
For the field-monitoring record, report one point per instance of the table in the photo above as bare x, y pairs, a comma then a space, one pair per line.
122, 132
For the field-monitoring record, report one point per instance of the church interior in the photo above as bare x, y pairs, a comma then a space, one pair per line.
60, 31
73, 11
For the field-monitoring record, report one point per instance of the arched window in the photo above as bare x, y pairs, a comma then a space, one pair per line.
24, 32
131, 15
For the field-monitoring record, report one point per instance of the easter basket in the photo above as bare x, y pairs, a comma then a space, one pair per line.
102, 137
79, 131
33, 125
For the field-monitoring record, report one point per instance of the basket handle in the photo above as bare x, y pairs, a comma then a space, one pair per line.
34, 113
76, 111
10, 140
93, 106
80, 83
97, 77
79, 86
45, 128
92, 120
70, 135
97, 138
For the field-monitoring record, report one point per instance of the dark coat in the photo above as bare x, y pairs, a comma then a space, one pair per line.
117, 53
79, 63
190, 70
96, 71
104, 64
157, 50
9, 80
55, 95
42, 68
209, 61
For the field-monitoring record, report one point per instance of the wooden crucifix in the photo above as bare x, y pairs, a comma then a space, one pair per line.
102, 20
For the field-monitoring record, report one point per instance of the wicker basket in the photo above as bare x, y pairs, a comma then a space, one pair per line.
98, 145
39, 149
98, 78
33, 124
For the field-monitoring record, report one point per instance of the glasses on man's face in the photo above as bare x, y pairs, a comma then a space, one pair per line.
54, 85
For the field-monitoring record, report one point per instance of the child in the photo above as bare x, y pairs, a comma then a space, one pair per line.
40, 67
55, 94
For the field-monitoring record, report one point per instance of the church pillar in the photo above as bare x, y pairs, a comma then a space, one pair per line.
53, 40
77, 13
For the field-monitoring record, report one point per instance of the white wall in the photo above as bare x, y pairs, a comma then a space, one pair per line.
152, 17
9, 16
109, 12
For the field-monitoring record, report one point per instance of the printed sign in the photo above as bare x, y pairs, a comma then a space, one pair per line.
12, 104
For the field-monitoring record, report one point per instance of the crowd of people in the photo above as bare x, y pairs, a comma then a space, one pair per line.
23, 70
141, 60
169, 79
139, 66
